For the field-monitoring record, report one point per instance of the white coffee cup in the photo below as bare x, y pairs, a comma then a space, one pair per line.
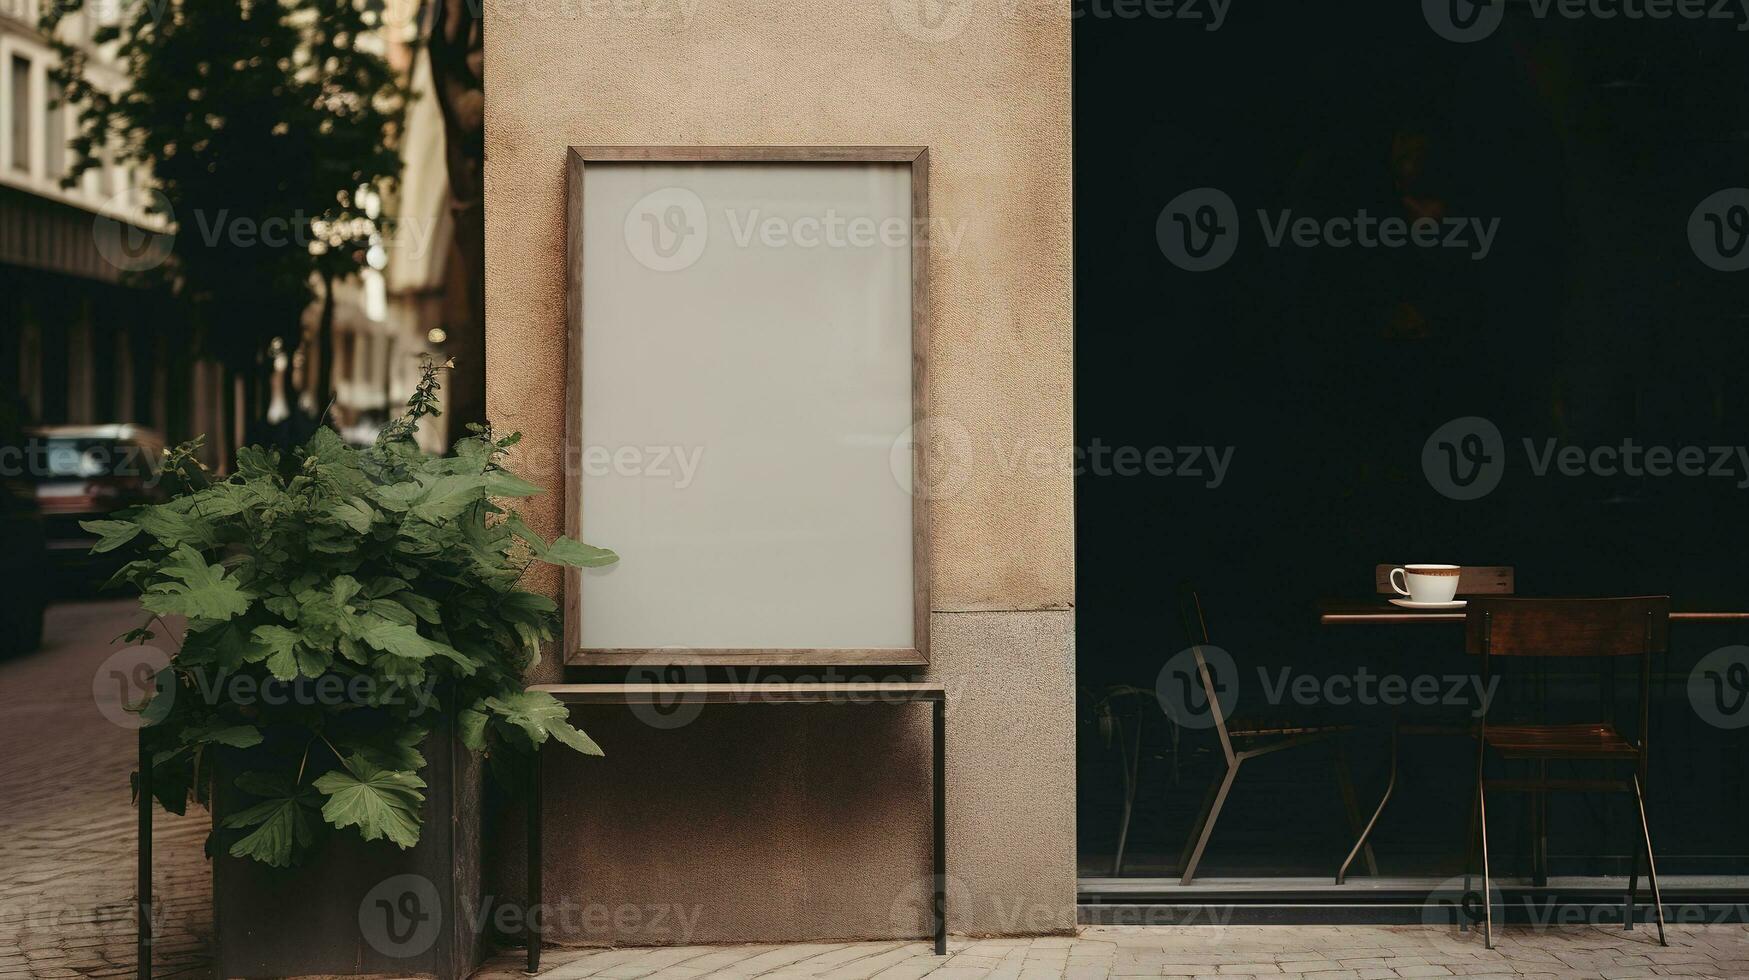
1427, 583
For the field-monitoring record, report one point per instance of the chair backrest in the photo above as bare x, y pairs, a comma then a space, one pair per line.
1502, 627
1190, 614
1472, 580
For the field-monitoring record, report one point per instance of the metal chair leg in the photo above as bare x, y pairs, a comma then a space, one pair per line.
1196, 824
1539, 841
1487, 875
1627, 914
1469, 860
1131, 771
1651, 862
1207, 825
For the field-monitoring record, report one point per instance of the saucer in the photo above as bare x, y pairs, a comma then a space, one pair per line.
1412, 604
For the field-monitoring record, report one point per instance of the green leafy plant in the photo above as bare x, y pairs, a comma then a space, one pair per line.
339, 604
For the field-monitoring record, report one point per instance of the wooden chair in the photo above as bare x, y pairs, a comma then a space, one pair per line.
1630, 627
1241, 741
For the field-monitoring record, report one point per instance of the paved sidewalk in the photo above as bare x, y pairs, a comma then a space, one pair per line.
67, 830
1221, 952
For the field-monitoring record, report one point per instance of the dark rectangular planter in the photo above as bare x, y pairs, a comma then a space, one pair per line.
363, 909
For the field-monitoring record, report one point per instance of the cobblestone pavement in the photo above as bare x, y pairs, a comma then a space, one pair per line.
1218, 952
67, 840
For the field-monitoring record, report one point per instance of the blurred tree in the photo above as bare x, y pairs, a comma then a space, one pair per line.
455, 40
269, 128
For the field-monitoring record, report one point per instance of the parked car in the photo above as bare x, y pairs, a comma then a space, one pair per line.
84, 473
24, 556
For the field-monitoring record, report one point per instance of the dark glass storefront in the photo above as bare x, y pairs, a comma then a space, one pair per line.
1269, 424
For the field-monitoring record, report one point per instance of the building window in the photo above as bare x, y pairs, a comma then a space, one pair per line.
54, 135
20, 109
343, 370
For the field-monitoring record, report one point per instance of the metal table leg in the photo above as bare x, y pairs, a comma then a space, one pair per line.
1365, 841
143, 887
534, 907
1345, 784
939, 905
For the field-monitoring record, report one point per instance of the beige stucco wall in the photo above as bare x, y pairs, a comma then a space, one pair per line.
782, 822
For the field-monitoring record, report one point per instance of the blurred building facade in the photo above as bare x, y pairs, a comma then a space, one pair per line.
80, 343
77, 343
407, 303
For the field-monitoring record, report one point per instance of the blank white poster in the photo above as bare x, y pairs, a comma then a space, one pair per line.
746, 403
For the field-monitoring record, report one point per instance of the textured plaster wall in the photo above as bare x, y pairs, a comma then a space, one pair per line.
789, 822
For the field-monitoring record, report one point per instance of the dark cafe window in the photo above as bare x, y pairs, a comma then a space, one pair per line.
1353, 291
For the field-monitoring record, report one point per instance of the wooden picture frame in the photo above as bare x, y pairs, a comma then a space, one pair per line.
580, 158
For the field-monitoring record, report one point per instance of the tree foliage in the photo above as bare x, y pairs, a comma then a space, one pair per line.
338, 604
266, 125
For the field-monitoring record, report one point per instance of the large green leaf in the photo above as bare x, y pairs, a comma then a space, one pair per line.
338, 463
379, 802
216, 501
563, 551
257, 463
284, 821
355, 513
541, 716
566, 551
502, 483
174, 527
288, 657
196, 590
399, 497
401, 753
399, 639
217, 732
446, 497
224, 648
471, 723
422, 606
514, 523
110, 534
